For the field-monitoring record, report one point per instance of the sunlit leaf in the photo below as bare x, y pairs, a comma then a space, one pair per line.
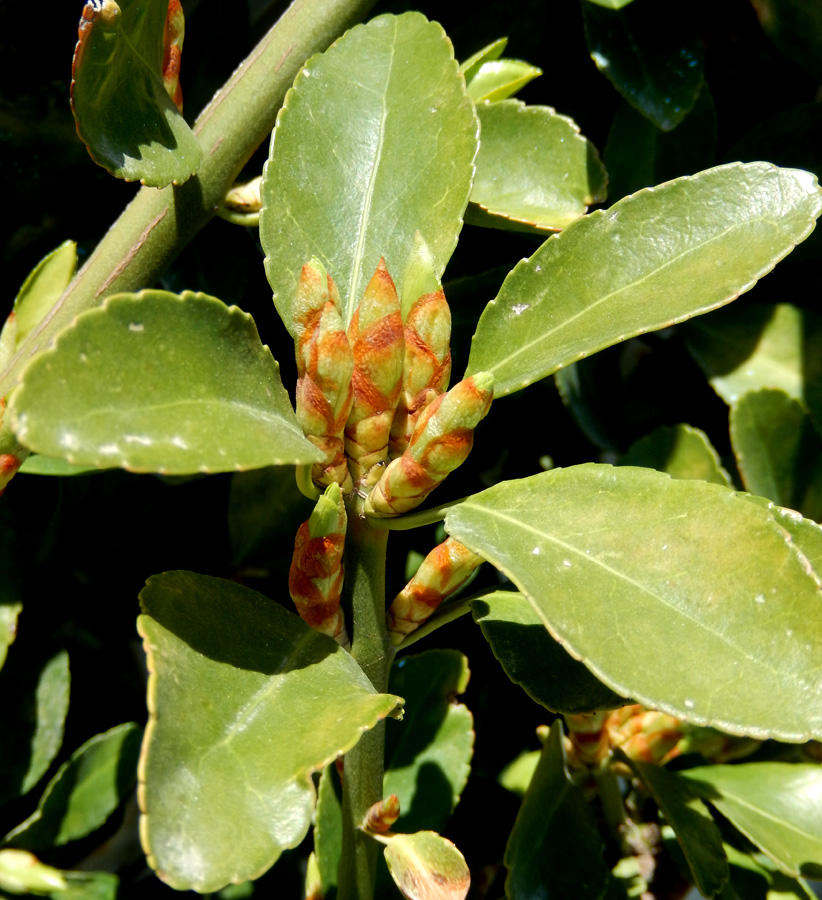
245, 702
345, 182
531, 658
160, 382
498, 79
656, 68
777, 806
554, 851
124, 113
655, 258
37, 699
85, 791
778, 450
696, 831
617, 561
761, 346
612, 4
679, 450
517, 775
534, 169
487, 54
428, 753
425, 866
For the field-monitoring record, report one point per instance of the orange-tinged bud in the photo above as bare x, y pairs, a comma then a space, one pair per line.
427, 364
440, 443
443, 571
316, 576
375, 334
382, 815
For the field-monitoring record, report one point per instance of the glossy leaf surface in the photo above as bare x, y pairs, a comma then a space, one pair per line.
123, 111
245, 702
499, 79
778, 450
660, 256
428, 752
697, 833
85, 791
554, 851
761, 346
534, 168
616, 559
490, 52
680, 450
531, 658
777, 806
345, 183
34, 717
425, 866
657, 68
160, 382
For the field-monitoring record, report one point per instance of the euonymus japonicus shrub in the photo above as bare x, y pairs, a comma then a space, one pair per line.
662, 614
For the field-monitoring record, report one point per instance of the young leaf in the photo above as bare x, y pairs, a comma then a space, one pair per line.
554, 851
245, 702
425, 866
428, 753
656, 68
775, 805
534, 169
124, 113
160, 382
532, 659
660, 256
34, 715
613, 561
498, 79
696, 831
777, 450
489, 53
346, 182
85, 791
680, 450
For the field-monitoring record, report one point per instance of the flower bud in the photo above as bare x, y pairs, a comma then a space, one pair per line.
316, 575
325, 364
445, 569
376, 336
440, 443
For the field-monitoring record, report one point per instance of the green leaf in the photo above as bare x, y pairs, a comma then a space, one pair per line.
53, 466
328, 828
160, 382
759, 346
534, 169
531, 658
655, 258
796, 29
777, 450
617, 561
40, 291
754, 877
245, 702
88, 886
487, 54
695, 830
345, 183
11, 581
37, 699
680, 450
425, 866
638, 154
777, 806
554, 851
428, 753
612, 4
656, 68
124, 114
517, 775
498, 79
85, 791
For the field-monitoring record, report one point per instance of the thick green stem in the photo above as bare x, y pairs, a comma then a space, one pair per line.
363, 776
157, 224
